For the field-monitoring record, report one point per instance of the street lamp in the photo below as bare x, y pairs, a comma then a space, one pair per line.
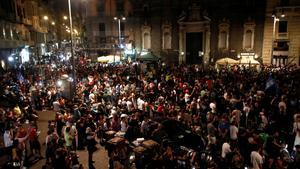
119, 27
46, 18
275, 19
119, 31
72, 55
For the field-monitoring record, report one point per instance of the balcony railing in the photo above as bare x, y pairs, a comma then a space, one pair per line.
284, 35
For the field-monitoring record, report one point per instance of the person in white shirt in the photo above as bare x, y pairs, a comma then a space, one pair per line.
140, 103
8, 142
8, 138
256, 160
233, 131
124, 122
225, 149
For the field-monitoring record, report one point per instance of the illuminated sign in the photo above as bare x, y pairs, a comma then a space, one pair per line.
247, 54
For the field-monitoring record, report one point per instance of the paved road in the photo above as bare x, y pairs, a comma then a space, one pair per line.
100, 156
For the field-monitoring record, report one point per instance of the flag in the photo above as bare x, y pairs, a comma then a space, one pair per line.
271, 86
270, 83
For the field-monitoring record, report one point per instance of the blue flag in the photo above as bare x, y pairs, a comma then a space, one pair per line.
271, 86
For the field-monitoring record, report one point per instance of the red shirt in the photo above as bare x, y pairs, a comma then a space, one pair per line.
32, 134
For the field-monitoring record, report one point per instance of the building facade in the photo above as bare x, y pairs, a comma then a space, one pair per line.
22, 28
281, 44
37, 26
193, 31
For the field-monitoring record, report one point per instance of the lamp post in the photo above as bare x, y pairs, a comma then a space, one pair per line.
275, 19
46, 18
119, 30
72, 55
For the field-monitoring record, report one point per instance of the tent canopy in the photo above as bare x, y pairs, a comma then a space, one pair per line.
244, 60
225, 61
149, 56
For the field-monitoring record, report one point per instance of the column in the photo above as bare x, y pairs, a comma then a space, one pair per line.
207, 47
181, 48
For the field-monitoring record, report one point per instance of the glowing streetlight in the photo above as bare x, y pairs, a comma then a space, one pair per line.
10, 59
46, 18
65, 17
52, 23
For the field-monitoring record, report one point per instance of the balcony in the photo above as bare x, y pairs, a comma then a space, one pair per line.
282, 36
280, 53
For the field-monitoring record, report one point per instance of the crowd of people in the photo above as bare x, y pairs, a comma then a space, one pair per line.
243, 117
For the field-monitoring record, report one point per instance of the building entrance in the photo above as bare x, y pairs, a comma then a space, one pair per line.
194, 48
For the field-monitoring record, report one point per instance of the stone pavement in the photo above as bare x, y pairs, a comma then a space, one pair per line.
100, 156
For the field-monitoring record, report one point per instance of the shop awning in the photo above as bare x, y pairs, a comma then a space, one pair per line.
227, 61
109, 59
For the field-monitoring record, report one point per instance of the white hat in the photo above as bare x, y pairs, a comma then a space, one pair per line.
124, 115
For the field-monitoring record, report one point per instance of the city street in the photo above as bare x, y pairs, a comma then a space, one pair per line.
100, 156
160, 84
